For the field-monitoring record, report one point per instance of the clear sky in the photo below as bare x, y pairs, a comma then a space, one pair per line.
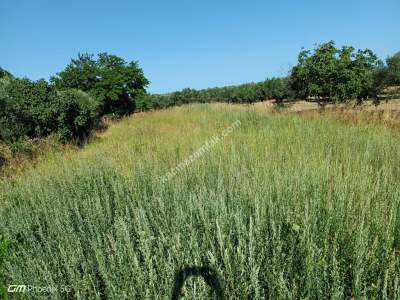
183, 43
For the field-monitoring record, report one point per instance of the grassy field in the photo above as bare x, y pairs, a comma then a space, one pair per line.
282, 207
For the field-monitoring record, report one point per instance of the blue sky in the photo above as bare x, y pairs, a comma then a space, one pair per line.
186, 43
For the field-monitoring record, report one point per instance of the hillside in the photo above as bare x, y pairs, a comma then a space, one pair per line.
279, 205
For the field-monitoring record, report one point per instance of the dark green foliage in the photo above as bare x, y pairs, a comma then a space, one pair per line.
76, 114
80, 74
393, 70
36, 109
143, 102
278, 89
114, 83
329, 73
25, 110
274, 88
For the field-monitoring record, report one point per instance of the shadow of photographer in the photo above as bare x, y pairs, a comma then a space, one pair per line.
209, 275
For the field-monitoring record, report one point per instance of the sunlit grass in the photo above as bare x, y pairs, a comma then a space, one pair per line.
283, 207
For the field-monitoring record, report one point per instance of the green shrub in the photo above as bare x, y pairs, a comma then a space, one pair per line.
35, 109
76, 114
22, 146
26, 110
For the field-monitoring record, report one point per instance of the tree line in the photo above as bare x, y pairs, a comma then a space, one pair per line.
274, 88
74, 100
72, 103
325, 74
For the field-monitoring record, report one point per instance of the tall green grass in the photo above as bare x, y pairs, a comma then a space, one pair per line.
282, 208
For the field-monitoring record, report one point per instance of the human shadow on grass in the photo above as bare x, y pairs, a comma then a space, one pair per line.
209, 275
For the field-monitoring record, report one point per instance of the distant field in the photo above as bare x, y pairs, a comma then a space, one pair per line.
281, 206
301, 106
387, 112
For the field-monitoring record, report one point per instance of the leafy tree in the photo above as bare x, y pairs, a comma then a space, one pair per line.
393, 70
114, 83
278, 89
314, 76
365, 65
329, 73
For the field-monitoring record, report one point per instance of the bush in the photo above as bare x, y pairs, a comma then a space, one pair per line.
35, 109
26, 110
15, 120
76, 114
22, 146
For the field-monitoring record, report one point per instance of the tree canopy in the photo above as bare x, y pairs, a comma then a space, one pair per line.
113, 82
328, 73
393, 69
